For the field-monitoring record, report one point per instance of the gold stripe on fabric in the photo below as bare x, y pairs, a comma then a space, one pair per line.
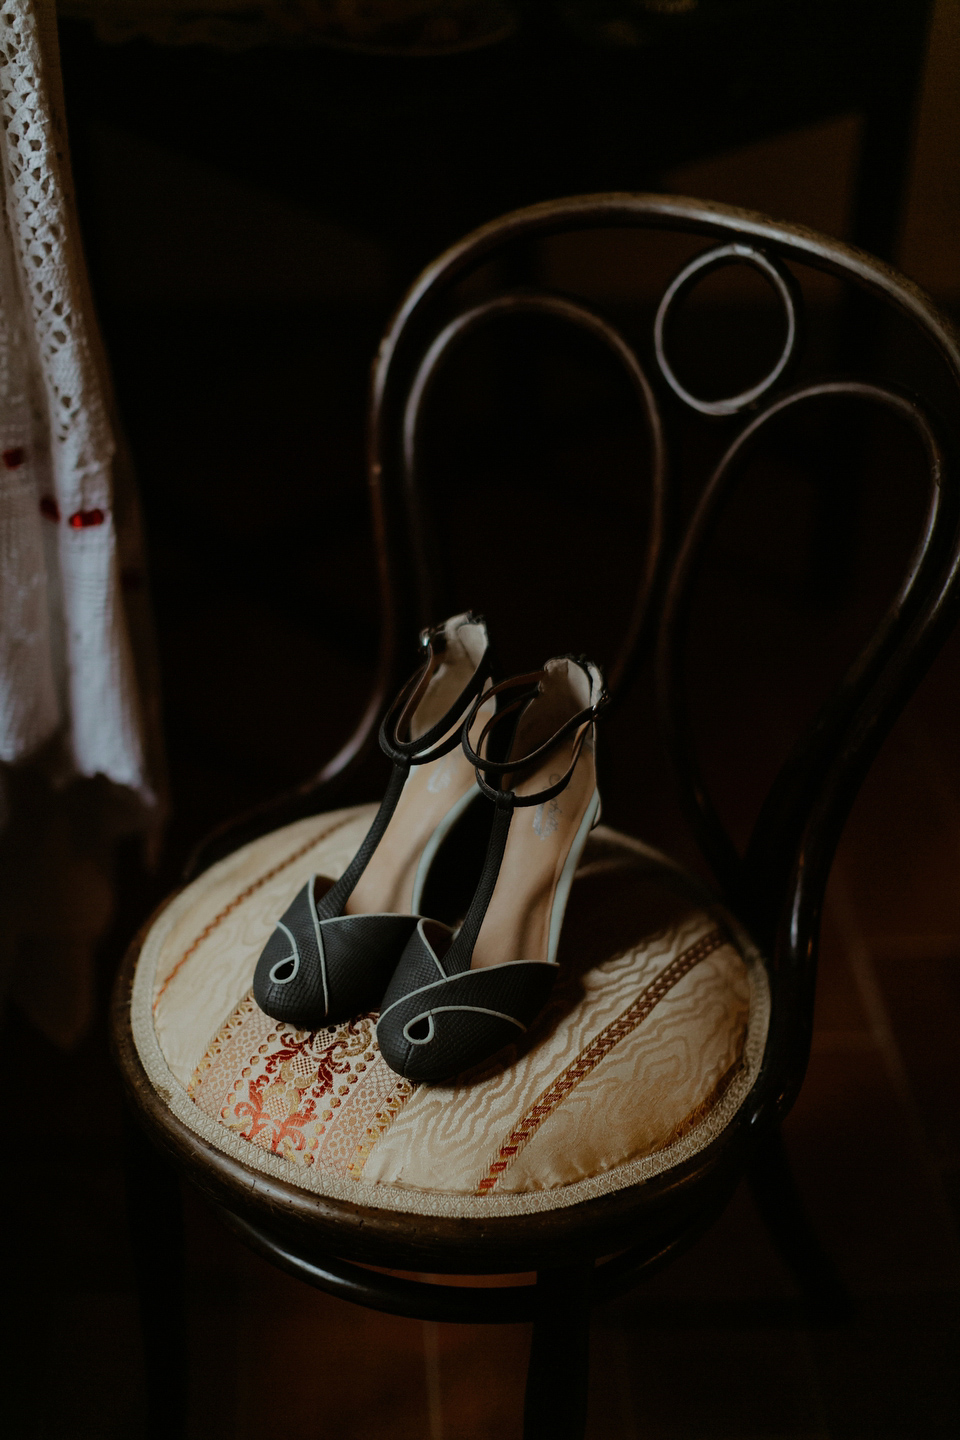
591, 1055
382, 1121
238, 900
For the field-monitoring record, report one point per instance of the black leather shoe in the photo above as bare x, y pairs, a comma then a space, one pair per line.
338, 942
458, 997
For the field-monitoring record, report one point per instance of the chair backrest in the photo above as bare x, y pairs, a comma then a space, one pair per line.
776, 885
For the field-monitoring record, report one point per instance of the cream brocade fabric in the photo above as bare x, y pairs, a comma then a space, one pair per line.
652, 1040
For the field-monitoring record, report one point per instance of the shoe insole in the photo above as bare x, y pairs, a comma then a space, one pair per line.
429, 793
517, 923
518, 919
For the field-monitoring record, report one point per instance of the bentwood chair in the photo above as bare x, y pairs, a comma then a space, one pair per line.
678, 1038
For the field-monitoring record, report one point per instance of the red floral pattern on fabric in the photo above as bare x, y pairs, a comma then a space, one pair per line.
284, 1098
317, 1098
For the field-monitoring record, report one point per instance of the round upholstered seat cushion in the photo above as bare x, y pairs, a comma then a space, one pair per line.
650, 1042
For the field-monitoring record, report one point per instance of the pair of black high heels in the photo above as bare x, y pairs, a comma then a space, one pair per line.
489, 863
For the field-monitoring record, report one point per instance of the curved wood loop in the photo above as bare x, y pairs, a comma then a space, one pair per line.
819, 819
696, 270
720, 223
619, 209
786, 809
773, 846
754, 233
588, 320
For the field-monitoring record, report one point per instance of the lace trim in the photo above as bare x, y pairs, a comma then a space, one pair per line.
47, 279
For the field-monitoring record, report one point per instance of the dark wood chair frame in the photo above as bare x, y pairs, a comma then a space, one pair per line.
776, 887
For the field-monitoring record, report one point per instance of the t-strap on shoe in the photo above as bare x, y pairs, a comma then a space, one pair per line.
456, 998
337, 944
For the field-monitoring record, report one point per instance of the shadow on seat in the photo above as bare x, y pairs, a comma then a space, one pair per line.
678, 1037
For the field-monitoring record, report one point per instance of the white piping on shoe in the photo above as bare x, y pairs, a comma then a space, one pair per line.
438, 1009
320, 949
278, 964
562, 893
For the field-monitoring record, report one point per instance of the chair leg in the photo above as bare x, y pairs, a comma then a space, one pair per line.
555, 1405
155, 1221
774, 1188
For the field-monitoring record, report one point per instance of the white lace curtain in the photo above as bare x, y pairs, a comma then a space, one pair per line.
70, 702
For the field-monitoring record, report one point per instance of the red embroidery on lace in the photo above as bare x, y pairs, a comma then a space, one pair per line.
82, 519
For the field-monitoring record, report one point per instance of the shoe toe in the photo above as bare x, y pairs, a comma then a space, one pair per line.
360, 955
434, 1027
313, 972
288, 983
436, 1043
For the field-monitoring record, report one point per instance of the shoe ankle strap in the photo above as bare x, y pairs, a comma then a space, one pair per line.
530, 686
431, 745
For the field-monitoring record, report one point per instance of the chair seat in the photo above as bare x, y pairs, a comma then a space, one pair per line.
651, 1041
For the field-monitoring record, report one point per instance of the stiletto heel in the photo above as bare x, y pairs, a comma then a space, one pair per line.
457, 997
336, 945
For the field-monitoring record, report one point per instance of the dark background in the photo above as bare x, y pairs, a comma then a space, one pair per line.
251, 220
253, 217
